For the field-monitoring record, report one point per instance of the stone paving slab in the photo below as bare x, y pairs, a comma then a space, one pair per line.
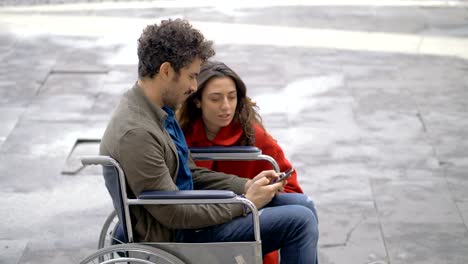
62, 222
12, 250
25, 173
51, 139
421, 224
447, 131
8, 120
463, 207
350, 231
424, 200
338, 182
426, 242
457, 180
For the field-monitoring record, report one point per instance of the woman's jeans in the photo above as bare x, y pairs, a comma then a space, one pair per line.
288, 223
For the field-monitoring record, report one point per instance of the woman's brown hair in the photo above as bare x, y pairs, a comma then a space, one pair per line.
246, 111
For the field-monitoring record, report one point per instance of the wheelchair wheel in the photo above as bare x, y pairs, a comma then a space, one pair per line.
131, 253
106, 237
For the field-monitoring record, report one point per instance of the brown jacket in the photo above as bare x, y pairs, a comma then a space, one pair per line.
137, 139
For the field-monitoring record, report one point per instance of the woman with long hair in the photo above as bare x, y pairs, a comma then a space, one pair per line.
220, 113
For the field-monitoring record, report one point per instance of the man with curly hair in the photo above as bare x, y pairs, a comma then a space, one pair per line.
145, 138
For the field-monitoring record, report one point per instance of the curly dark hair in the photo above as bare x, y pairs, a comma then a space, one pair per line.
173, 41
246, 110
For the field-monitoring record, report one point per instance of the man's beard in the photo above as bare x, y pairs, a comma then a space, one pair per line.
171, 104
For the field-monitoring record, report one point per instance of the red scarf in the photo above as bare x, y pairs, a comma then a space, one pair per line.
226, 136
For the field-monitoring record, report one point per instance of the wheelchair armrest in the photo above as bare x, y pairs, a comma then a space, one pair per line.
219, 149
196, 197
194, 194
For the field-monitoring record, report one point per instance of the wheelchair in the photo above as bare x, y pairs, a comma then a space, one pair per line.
116, 243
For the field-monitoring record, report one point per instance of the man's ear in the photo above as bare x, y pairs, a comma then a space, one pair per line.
165, 70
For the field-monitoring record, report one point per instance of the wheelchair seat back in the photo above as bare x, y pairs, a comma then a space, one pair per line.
112, 182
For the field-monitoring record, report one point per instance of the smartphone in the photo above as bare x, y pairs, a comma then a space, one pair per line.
284, 175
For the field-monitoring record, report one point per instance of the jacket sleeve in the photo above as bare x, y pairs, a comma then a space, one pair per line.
270, 147
141, 156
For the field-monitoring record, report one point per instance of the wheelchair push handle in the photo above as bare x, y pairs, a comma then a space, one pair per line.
97, 160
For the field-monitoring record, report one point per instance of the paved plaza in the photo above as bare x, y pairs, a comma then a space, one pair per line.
369, 100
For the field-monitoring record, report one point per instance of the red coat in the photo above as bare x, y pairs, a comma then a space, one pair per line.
230, 136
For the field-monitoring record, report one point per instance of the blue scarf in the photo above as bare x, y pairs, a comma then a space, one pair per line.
184, 175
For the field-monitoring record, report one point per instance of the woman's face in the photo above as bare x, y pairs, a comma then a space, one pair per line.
218, 103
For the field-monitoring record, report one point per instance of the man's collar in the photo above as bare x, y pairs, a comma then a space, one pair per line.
158, 112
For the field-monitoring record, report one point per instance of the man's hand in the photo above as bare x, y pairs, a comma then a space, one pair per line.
269, 174
260, 191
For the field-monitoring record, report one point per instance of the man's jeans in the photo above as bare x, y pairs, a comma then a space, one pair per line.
289, 223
